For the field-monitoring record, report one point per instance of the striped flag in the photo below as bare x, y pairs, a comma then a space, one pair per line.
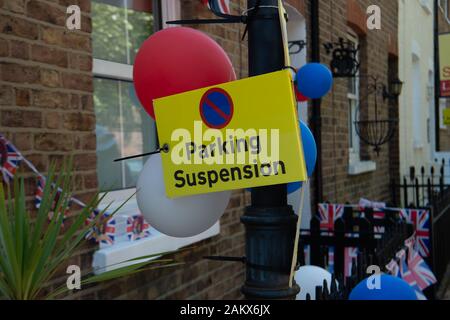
408, 276
222, 6
9, 159
419, 268
41, 182
350, 256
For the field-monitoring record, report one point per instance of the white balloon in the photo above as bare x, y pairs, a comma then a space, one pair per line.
180, 217
310, 277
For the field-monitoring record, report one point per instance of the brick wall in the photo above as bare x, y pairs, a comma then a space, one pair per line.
335, 18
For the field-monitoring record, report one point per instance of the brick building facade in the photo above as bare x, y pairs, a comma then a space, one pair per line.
47, 110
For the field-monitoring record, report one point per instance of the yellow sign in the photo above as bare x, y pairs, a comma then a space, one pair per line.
447, 117
241, 134
444, 63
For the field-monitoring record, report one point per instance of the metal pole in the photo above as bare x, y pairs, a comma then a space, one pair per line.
437, 78
316, 103
270, 223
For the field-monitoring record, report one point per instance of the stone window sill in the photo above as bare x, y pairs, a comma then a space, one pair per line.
360, 167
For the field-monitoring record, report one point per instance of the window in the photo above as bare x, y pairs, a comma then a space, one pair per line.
445, 8
353, 105
123, 127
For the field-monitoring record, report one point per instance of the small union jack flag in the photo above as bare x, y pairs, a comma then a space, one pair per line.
393, 268
419, 268
379, 215
330, 267
328, 214
222, 6
137, 228
350, 256
41, 181
420, 219
9, 159
408, 276
108, 232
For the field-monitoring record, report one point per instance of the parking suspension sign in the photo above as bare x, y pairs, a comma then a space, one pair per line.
241, 134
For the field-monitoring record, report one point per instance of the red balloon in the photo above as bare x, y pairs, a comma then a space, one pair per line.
300, 96
177, 60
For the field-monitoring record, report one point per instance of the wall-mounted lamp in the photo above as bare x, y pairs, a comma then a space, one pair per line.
394, 91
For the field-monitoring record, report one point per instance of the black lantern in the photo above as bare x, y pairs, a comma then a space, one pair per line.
395, 89
344, 62
377, 132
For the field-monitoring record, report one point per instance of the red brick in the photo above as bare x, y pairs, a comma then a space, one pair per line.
46, 12
85, 5
20, 50
50, 78
6, 95
49, 55
52, 120
66, 39
19, 73
21, 118
18, 27
23, 141
16, 6
79, 121
22, 97
79, 82
50, 99
4, 48
53, 142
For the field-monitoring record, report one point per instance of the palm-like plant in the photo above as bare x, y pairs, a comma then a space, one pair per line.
33, 249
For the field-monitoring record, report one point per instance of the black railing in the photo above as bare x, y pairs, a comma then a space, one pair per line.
356, 229
428, 188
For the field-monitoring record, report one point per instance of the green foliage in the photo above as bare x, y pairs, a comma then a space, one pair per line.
33, 249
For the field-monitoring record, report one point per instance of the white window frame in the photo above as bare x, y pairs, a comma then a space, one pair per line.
111, 257
356, 166
444, 5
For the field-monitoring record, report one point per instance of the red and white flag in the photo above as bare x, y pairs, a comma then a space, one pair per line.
222, 6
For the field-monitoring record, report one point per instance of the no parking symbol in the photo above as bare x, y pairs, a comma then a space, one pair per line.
216, 108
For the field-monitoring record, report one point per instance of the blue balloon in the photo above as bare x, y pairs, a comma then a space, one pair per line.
310, 151
314, 80
391, 288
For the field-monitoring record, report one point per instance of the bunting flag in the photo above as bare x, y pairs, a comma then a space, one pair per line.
330, 266
393, 268
328, 214
419, 268
41, 181
408, 276
137, 228
420, 219
350, 256
9, 159
222, 6
307, 254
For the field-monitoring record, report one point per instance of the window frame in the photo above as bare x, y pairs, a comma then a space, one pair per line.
354, 101
123, 72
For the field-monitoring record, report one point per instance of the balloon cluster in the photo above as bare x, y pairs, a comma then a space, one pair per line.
172, 61
178, 60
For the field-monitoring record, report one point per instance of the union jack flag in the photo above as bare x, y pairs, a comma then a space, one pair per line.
108, 233
97, 229
222, 6
9, 159
350, 256
393, 268
137, 228
328, 214
41, 182
420, 219
330, 260
420, 270
408, 276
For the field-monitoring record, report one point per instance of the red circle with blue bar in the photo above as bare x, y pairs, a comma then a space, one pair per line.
216, 108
